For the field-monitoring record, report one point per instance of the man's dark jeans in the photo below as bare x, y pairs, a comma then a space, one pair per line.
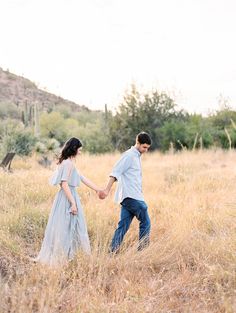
131, 208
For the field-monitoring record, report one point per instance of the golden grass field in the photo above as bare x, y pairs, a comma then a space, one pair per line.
190, 265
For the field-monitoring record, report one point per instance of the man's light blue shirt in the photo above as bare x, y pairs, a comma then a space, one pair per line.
128, 173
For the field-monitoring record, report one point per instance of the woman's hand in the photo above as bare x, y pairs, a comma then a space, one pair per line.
74, 209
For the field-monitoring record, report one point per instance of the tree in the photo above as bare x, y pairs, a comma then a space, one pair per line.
222, 126
94, 138
52, 125
21, 143
147, 112
175, 132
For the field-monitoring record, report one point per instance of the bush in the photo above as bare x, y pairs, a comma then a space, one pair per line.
54, 125
9, 110
95, 138
21, 143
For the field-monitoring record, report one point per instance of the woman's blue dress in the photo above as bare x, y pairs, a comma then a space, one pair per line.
65, 233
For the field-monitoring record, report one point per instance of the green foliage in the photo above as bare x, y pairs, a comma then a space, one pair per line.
71, 127
15, 138
146, 112
86, 116
95, 138
21, 143
52, 125
175, 132
64, 110
46, 146
198, 127
153, 112
9, 126
223, 118
9, 110
52, 144
157, 114
91, 128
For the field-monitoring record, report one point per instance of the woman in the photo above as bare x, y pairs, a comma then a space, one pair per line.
66, 231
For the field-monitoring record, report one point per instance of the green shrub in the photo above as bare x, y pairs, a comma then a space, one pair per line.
22, 143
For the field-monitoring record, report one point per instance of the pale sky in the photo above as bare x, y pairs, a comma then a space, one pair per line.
90, 51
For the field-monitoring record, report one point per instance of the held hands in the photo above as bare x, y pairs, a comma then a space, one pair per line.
102, 194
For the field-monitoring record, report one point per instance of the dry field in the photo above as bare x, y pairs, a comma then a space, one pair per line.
190, 265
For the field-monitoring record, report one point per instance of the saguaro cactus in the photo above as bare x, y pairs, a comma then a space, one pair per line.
36, 120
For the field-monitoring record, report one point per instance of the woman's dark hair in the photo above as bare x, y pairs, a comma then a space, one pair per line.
69, 149
144, 138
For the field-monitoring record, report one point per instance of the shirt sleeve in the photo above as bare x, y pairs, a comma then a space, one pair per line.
121, 166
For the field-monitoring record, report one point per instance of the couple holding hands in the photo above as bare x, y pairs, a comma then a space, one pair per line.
66, 230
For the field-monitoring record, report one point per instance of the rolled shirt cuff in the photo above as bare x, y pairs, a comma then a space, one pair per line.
115, 175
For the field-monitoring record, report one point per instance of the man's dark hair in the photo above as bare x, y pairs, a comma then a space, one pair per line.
144, 138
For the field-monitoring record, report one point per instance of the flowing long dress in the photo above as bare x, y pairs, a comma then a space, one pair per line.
65, 233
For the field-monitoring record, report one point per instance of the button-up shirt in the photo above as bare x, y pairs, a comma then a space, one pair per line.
128, 173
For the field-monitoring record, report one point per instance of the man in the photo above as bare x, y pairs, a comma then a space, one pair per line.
128, 172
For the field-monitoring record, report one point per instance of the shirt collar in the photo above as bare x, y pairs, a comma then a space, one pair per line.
135, 151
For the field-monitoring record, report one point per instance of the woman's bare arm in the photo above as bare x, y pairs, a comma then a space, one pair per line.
90, 184
65, 187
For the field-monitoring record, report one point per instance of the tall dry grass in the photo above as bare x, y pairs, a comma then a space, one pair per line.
190, 265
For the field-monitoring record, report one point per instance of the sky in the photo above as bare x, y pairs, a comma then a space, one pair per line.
91, 51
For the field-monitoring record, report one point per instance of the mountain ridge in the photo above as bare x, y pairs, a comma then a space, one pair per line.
20, 91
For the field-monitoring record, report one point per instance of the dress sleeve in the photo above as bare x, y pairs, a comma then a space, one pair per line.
121, 166
62, 173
